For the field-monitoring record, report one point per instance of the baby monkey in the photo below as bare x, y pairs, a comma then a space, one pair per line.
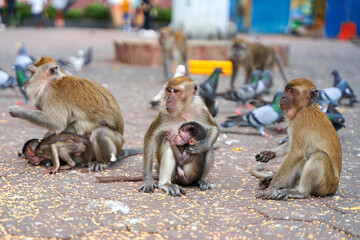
70, 147
189, 167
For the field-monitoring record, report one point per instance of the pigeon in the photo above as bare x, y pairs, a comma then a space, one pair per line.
22, 61
259, 85
258, 118
207, 91
348, 92
340, 89
155, 101
6, 81
77, 62
330, 109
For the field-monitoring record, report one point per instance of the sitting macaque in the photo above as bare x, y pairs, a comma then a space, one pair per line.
70, 147
189, 167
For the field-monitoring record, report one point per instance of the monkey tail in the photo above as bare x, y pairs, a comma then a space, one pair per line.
256, 171
108, 179
281, 67
129, 152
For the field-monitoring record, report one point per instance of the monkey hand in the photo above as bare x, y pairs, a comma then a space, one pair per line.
200, 147
170, 135
265, 156
15, 111
51, 171
172, 189
265, 182
148, 186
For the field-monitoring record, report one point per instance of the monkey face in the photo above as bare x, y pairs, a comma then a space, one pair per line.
288, 98
174, 94
238, 51
183, 137
30, 155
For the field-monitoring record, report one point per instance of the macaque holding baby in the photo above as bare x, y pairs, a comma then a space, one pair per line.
189, 167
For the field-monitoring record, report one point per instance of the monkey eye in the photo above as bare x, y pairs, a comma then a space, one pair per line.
292, 91
175, 90
29, 72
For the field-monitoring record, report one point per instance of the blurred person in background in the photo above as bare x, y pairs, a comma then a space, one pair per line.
116, 13
59, 6
126, 7
139, 17
146, 5
2, 5
37, 8
10, 19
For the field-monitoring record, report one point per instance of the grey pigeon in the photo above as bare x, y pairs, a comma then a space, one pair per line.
259, 85
340, 89
258, 118
348, 92
207, 91
22, 61
6, 81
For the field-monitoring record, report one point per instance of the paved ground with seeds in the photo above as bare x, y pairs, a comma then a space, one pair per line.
73, 205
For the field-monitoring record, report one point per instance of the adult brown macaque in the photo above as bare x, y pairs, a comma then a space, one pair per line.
253, 56
313, 160
180, 104
69, 147
74, 104
173, 46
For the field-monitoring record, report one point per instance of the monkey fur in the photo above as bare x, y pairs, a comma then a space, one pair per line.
313, 159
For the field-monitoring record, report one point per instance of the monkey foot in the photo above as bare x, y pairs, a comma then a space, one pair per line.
97, 167
204, 185
282, 194
172, 189
148, 186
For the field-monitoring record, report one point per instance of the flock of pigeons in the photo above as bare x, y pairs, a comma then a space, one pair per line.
23, 60
265, 114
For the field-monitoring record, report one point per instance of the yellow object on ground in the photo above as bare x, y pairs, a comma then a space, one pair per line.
238, 149
208, 66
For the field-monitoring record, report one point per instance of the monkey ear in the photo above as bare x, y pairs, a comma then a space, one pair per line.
313, 95
192, 141
196, 88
